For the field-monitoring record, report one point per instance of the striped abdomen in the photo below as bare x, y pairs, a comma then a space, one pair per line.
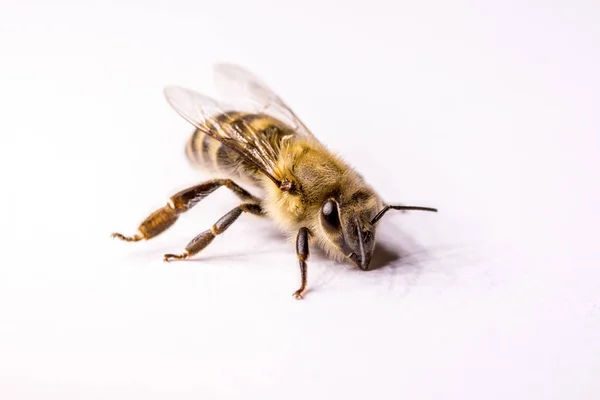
208, 153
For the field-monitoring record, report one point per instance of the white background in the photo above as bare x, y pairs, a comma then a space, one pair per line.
488, 111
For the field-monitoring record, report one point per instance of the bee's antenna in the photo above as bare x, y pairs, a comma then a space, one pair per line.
385, 209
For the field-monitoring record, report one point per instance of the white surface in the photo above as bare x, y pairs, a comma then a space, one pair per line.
489, 112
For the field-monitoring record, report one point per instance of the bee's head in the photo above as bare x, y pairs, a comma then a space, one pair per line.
346, 221
349, 222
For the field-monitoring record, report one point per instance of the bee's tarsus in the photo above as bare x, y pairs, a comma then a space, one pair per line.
169, 257
134, 238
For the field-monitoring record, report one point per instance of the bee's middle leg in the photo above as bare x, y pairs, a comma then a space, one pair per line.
200, 242
163, 218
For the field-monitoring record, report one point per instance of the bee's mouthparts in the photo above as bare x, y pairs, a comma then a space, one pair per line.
358, 261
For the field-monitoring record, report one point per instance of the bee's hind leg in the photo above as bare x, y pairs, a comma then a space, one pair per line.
200, 242
163, 218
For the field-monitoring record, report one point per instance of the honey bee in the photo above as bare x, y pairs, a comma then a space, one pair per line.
310, 193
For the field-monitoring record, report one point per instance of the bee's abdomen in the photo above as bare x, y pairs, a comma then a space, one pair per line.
195, 149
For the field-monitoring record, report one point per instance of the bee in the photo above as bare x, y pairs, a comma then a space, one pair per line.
255, 139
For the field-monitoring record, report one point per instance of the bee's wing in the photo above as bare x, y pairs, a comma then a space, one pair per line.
201, 111
240, 86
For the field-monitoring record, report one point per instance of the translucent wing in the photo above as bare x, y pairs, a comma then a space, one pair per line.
211, 117
241, 87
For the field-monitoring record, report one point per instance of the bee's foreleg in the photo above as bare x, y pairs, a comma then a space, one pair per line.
163, 218
198, 243
302, 252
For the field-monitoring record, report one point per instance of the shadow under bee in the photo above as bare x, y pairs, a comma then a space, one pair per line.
399, 262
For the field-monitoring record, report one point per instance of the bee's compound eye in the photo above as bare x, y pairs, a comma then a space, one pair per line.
330, 213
